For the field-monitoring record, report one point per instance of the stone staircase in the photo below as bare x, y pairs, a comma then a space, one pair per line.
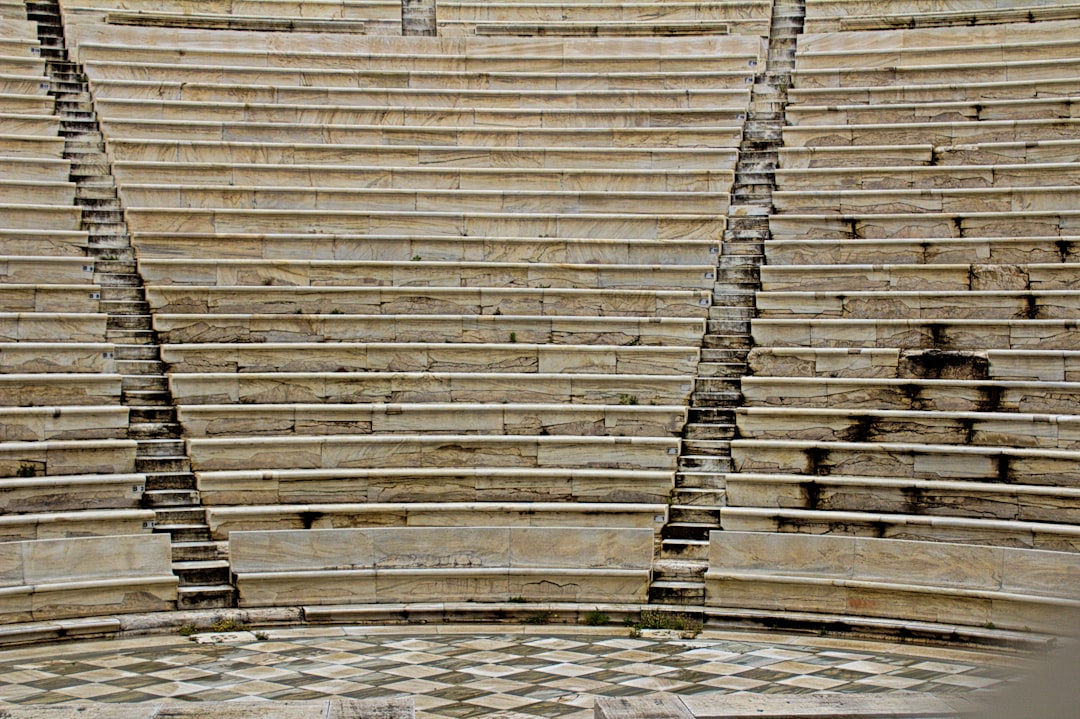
170, 485
699, 494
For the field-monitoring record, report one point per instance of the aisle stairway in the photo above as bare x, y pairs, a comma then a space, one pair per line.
699, 494
170, 485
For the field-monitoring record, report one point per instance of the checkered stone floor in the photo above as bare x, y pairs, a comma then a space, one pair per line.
507, 672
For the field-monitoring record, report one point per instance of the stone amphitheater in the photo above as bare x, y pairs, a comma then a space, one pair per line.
431, 344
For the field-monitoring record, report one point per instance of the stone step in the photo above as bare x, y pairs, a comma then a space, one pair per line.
145, 382
707, 447
148, 397
695, 514
699, 496
141, 367
726, 342
170, 498
675, 592
196, 572
129, 322
684, 549
199, 551
134, 308
704, 463
679, 570
176, 464
708, 431
688, 530
170, 480
206, 596
137, 352
121, 293
129, 336
189, 532
161, 448
721, 369
139, 430
732, 397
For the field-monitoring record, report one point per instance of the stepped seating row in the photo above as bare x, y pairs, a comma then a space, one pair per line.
915, 321
915, 581
434, 564
831, 15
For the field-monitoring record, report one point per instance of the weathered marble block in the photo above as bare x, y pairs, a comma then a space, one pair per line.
903, 580
414, 564
26, 390
71, 493
63, 457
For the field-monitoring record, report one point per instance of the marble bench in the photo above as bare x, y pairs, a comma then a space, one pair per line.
87, 576
906, 90
26, 104
978, 110
52, 327
623, 132
24, 169
886, 525
299, 74
438, 484
38, 424
63, 457
656, 151
40, 217
915, 155
208, 365
407, 200
964, 584
26, 358
19, 125
421, 387
424, 273
889, 363
663, 11
951, 177
49, 389
933, 426
51, 298
426, 564
81, 523
999, 199
975, 251
943, 334
465, 329
33, 146
99, 48
920, 304
515, 98
466, 251
477, 418
937, 498
1050, 467
146, 178
223, 521
912, 73
935, 133
60, 493
979, 275
386, 301
44, 270
29, 84
946, 395
34, 191
429, 451
844, 16
544, 225
961, 222
16, 62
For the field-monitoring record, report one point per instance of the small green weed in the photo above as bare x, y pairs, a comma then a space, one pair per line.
228, 625
517, 600
652, 619
186, 630
596, 618
538, 618
26, 470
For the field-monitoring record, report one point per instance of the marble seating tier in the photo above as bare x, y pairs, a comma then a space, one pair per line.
400, 387
38, 424
32, 146
294, 418
626, 151
850, 15
63, 457
601, 366
463, 329
225, 520
467, 252
897, 496
634, 134
428, 564
163, 273
50, 172
464, 301
402, 451
49, 389
961, 584
979, 276
920, 304
60, 493
438, 484
927, 179
892, 363
29, 358
106, 48
59, 524
1015, 251
86, 576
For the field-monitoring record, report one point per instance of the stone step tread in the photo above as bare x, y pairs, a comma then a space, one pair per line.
200, 564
